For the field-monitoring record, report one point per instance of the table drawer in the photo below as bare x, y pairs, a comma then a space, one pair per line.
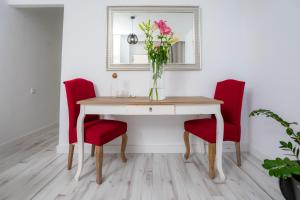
151, 110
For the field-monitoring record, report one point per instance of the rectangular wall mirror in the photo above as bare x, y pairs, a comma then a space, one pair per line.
123, 20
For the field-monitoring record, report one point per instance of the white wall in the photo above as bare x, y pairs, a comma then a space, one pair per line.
30, 53
84, 49
272, 68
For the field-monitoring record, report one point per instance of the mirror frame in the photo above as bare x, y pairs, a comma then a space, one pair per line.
144, 67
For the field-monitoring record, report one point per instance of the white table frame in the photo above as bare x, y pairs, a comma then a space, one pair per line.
174, 109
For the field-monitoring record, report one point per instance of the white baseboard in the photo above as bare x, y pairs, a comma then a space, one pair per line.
227, 147
41, 130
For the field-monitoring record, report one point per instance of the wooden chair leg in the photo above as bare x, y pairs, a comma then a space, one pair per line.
123, 147
70, 156
211, 159
93, 150
99, 160
238, 153
187, 145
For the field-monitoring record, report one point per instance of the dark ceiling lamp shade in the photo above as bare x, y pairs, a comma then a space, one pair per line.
132, 38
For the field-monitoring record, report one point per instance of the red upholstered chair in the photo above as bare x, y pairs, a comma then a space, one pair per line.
96, 131
231, 92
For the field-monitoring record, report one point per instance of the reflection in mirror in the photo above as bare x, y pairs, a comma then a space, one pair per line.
123, 26
126, 40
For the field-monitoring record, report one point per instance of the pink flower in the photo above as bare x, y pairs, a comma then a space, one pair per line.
163, 27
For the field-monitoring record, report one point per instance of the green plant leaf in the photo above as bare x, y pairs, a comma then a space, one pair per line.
282, 168
289, 131
284, 144
273, 115
290, 145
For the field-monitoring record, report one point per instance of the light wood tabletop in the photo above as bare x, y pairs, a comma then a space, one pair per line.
145, 101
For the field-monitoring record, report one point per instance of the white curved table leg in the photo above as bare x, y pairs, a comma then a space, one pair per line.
219, 147
80, 142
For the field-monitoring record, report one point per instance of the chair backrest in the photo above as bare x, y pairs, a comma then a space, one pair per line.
76, 90
231, 92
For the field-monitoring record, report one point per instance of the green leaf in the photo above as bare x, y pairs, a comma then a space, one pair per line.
282, 168
289, 131
290, 145
284, 144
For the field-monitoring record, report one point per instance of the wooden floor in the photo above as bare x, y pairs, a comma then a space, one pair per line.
35, 171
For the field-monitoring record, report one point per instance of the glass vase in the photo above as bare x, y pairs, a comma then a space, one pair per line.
157, 82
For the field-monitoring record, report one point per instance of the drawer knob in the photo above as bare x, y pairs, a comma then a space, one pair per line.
150, 109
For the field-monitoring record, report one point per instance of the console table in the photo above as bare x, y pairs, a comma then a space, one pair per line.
143, 106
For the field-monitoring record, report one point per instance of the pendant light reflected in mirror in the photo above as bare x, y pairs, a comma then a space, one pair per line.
132, 38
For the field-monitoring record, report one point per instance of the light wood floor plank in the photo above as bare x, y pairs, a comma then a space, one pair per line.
253, 168
38, 172
21, 150
162, 181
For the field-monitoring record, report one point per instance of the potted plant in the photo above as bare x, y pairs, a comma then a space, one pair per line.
286, 169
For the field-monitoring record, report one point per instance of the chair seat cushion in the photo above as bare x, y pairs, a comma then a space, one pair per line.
206, 129
102, 131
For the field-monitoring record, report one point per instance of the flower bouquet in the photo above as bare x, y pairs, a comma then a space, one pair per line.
158, 40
